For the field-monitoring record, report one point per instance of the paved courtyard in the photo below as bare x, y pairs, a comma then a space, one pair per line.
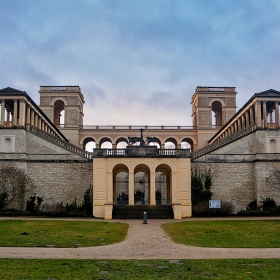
143, 241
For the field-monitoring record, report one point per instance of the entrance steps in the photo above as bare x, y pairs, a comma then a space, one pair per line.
136, 211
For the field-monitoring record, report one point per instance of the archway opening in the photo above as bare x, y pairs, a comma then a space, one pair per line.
217, 118
121, 143
170, 143
105, 143
120, 185
59, 113
142, 185
157, 143
89, 144
187, 143
163, 190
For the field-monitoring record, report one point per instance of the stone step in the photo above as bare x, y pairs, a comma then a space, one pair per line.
137, 211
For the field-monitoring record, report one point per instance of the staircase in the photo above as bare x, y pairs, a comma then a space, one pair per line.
58, 141
136, 211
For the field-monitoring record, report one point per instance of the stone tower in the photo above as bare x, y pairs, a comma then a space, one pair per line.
64, 107
212, 107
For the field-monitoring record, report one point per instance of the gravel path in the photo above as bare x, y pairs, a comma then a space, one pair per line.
144, 241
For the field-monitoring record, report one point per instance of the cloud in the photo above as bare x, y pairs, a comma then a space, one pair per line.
140, 61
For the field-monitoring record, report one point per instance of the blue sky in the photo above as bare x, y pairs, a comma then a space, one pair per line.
139, 62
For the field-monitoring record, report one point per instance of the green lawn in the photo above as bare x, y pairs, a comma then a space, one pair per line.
34, 233
226, 234
139, 269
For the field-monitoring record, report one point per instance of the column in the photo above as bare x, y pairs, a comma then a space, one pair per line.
15, 115
3, 112
277, 114
114, 152
247, 119
36, 120
110, 188
258, 115
174, 188
251, 116
39, 122
264, 115
28, 114
153, 188
8, 114
242, 122
131, 188
22, 112
235, 127
32, 117
239, 124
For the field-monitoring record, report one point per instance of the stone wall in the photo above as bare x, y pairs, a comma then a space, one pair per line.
241, 169
61, 182
231, 181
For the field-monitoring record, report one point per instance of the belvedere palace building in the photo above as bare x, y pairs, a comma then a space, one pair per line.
241, 150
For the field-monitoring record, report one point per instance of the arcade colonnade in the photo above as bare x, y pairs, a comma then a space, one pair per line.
259, 112
177, 171
116, 137
18, 109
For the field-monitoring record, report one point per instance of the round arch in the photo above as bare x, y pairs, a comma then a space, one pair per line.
163, 184
217, 116
105, 139
141, 184
61, 98
59, 106
120, 184
84, 139
218, 100
156, 143
173, 140
87, 140
190, 141
121, 139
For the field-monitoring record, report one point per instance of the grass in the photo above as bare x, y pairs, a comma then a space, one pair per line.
32, 233
226, 234
139, 269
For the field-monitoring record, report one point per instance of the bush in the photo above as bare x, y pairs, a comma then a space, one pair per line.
227, 208
200, 186
268, 208
200, 209
268, 204
252, 205
33, 204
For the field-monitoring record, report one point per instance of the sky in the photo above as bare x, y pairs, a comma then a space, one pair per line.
139, 62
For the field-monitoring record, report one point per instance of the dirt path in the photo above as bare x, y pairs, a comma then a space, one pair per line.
144, 241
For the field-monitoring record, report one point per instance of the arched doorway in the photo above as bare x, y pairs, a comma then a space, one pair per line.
120, 185
142, 185
162, 184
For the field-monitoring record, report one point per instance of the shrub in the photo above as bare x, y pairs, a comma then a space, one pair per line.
252, 205
268, 204
200, 186
227, 208
33, 203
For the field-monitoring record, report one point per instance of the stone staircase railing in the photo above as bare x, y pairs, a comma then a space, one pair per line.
58, 141
218, 144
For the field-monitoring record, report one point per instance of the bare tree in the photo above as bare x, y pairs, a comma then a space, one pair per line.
14, 184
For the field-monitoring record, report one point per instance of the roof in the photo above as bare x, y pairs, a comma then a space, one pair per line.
270, 93
11, 91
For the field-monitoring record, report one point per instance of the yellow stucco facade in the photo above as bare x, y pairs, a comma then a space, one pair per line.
106, 168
